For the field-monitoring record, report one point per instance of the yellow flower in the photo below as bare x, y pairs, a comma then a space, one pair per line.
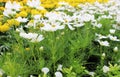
23, 14
34, 12
4, 28
3, 0
16, 23
10, 22
43, 12
13, 22
2, 8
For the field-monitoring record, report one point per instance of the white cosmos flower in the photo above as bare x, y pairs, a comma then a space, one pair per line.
38, 39
70, 27
99, 36
91, 73
45, 70
52, 27
113, 38
37, 17
32, 36
35, 4
58, 74
104, 43
105, 69
112, 31
20, 19
8, 12
12, 6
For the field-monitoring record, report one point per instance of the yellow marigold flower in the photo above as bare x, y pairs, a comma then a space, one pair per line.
2, 8
23, 14
4, 28
43, 12
48, 5
3, 0
13, 22
34, 12
17, 23
10, 22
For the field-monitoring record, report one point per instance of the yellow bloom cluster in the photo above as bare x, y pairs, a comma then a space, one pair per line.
5, 27
12, 22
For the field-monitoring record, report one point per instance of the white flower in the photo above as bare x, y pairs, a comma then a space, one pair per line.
38, 39
37, 17
91, 73
104, 43
52, 27
35, 4
59, 67
99, 25
100, 36
32, 36
8, 12
105, 69
45, 70
20, 19
70, 27
112, 31
115, 49
113, 38
58, 74
12, 6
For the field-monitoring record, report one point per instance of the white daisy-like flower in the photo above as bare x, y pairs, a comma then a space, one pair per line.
104, 43
58, 74
35, 4
45, 70
13, 6
105, 69
20, 19
112, 31
32, 36
113, 38
91, 73
38, 39
8, 12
